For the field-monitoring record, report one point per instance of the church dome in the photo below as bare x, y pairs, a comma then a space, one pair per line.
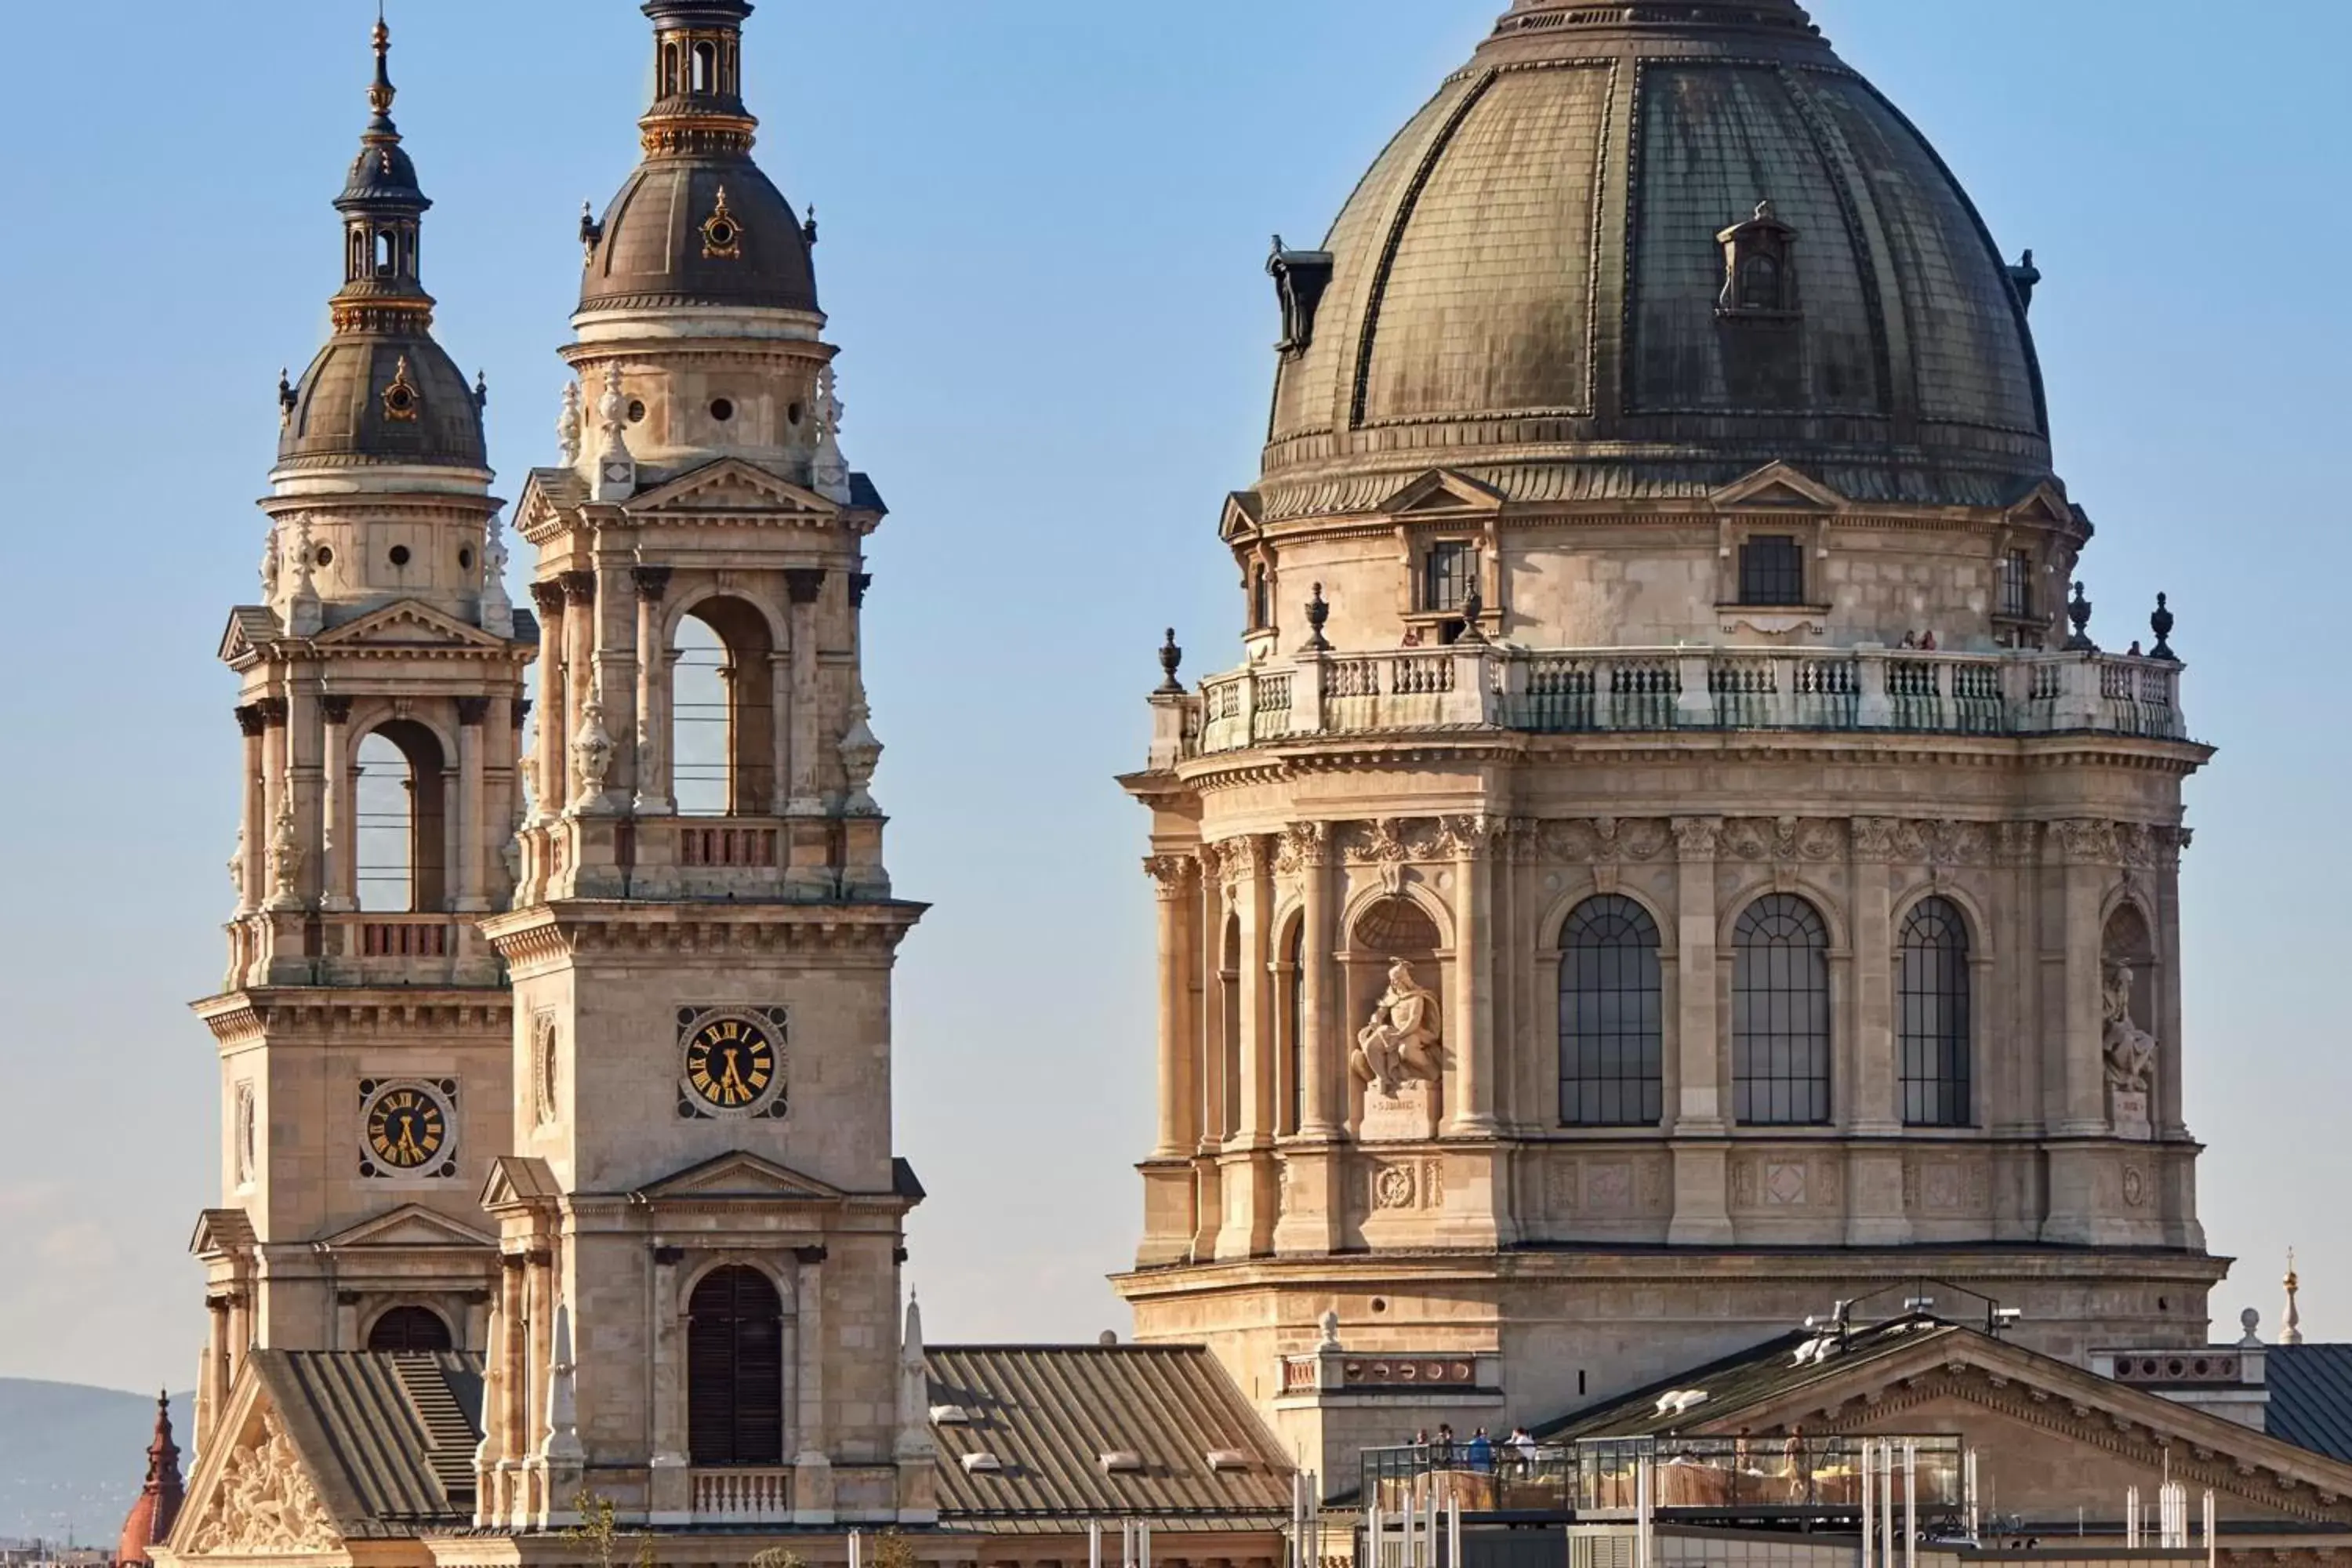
1639, 250
383, 399
699, 230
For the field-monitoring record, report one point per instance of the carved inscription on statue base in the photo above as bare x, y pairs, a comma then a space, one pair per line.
1407, 1114
2130, 1115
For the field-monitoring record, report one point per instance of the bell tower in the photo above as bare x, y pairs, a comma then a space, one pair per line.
702, 1183
364, 1022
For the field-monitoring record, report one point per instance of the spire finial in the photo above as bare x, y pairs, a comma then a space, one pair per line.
381, 92
2290, 1327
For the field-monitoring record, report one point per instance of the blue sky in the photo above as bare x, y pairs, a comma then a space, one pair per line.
1044, 225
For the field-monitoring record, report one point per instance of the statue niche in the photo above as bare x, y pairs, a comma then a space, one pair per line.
1397, 1064
2129, 1051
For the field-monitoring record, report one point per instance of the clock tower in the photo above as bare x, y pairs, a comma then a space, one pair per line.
701, 1222
364, 1022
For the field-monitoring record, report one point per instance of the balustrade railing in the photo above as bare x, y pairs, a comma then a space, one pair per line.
1606, 690
743, 1497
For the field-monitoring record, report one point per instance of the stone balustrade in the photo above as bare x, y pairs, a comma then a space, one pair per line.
1653, 691
743, 1497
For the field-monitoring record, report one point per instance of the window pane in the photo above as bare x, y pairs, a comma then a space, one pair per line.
1771, 570
1446, 577
1612, 1043
1780, 1014
1934, 998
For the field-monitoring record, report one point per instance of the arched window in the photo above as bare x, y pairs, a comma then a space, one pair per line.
735, 1371
706, 73
1294, 1021
669, 70
1611, 1040
410, 1329
401, 804
1760, 284
1780, 1014
1934, 985
1261, 599
722, 712
384, 253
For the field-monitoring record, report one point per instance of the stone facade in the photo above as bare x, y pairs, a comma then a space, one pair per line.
1723, 687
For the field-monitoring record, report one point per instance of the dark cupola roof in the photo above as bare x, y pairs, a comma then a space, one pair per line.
382, 391
158, 1509
698, 224
1638, 250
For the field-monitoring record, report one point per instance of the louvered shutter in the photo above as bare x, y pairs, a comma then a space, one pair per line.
735, 1371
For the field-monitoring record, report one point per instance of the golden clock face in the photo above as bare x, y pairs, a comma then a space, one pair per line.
407, 1128
732, 1063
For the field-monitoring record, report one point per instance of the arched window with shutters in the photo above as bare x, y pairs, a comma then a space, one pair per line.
410, 1329
735, 1371
1934, 993
1780, 1014
1612, 1036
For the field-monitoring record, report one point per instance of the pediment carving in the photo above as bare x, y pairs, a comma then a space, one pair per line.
262, 1501
405, 627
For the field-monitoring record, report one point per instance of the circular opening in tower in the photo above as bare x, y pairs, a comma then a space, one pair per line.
464, 560
326, 556
400, 555
722, 410
636, 411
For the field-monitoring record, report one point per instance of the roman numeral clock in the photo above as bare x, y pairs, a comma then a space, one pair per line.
731, 1063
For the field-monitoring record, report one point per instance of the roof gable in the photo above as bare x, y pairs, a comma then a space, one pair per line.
517, 1181
222, 1231
255, 1491
1443, 491
742, 1175
731, 485
250, 629
408, 626
1778, 484
411, 1225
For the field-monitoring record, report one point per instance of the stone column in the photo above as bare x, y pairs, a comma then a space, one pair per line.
812, 1464
340, 846
212, 1392
784, 702
2169, 1116
655, 797
2085, 879
1179, 1103
473, 827
253, 845
304, 778
539, 1309
514, 1383
579, 669
1869, 1100
673, 1499
805, 587
240, 1331
1257, 1011
1470, 1112
1321, 1072
1702, 1186
276, 785
547, 765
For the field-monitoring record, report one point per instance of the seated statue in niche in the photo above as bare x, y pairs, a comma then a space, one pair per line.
2130, 1049
1400, 1045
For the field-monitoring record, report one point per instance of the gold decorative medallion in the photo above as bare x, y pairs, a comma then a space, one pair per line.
722, 236
400, 400
731, 1062
405, 1129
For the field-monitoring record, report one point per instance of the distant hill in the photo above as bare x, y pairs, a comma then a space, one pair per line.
72, 1458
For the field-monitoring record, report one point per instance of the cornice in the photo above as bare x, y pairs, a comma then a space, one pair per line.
552, 934
267, 1016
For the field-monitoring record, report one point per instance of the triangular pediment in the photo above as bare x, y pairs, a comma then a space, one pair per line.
1443, 491
220, 1232
742, 1175
1242, 518
412, 1224
250, 627
254, 1493
409, 625
2035, 1414
2044, 507
517, 1181
1777, 486
731, 485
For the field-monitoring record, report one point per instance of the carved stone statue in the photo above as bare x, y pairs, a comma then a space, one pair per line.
270, 568
2130, 1049
237, 866
285, 858
1400, 1043
568, 424
264, 1502
829, 475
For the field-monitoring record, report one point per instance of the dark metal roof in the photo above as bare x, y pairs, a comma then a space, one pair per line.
339, 415
390, 1437
1530, 280
2311, 1398
653, 253
1751, 1377
1049, 1414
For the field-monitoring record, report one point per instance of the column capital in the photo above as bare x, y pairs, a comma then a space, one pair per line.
579, 587
810, 1256
651, 582
518, 712
803, 584
473, 712
249, 720
335, 709
1173, 873
274, 711
548, 594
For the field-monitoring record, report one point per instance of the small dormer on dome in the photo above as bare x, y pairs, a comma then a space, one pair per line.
382, 391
